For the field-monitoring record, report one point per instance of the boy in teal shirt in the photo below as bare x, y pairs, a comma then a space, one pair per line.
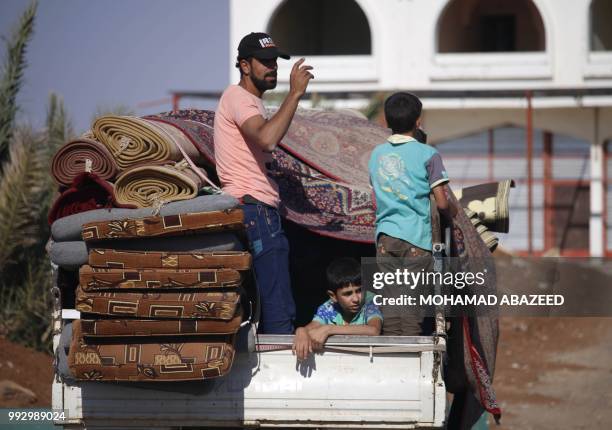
349, 310
403, 172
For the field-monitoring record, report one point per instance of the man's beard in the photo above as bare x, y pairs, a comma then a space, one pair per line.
263, 85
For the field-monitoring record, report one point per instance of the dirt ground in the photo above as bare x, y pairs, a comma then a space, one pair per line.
28, 368
555, 373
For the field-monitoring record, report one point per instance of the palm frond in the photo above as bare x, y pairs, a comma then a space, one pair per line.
120, 109
12, 78
20, 192
26, 308
59, 129
58, 132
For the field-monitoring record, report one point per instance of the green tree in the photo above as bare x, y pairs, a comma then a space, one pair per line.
26, 193
12, 78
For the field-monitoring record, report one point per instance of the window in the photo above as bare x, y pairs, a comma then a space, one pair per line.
490, 26
321, 27
498, 33
601, 30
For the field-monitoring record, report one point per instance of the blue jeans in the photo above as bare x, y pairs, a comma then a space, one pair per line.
270, 249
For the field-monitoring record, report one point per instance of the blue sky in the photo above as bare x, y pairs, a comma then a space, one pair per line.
106, 53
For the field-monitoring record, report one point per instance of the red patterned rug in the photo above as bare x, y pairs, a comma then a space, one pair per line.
320, 166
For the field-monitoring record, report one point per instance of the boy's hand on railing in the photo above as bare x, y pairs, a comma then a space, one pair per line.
319, 335
302, 344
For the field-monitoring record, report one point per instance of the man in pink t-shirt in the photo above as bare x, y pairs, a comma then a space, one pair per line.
244, 141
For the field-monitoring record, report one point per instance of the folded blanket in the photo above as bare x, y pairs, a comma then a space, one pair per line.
136, 327
72, 159
98, 279
169, 260
71, 255
489, 202
160, 304
150, 359
69, 228
88, 191
161, 226
488, 238
147, 186
133, 140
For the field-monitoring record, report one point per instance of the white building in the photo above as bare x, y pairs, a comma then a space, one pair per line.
477, 65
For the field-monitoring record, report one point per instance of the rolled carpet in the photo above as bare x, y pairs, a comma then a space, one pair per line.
72, 255
489, 238
88, 191
133, 140
147, 186
72, 159
489, 202
69, 228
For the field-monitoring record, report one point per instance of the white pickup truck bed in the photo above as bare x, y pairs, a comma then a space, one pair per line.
357, 382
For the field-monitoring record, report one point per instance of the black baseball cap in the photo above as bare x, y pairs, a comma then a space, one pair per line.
259, 45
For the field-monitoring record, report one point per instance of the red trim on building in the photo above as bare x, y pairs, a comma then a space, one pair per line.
529, 173
605, 159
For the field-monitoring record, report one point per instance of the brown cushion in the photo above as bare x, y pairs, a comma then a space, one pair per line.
169, 260
215, 305
101, 279
139, 327
149, 359
160, 226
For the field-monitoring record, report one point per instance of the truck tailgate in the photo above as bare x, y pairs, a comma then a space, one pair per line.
357, 382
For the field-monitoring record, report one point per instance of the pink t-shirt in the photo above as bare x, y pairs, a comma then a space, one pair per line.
241, 164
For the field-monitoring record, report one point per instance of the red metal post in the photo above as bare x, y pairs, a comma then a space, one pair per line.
175, 101
491, 150
529, 173
549, 228
606, 157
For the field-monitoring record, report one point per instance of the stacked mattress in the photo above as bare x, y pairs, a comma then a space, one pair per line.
157, 315
156, 268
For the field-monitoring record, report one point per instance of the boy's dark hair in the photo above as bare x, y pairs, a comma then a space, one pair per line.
342, 272
401, 112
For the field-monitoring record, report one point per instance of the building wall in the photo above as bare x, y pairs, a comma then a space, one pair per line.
499, 154
404, 50
405, 36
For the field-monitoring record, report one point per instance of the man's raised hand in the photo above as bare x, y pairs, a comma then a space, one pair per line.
300, 75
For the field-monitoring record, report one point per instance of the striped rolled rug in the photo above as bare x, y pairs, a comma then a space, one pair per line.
133, 140
82, 155
151, 186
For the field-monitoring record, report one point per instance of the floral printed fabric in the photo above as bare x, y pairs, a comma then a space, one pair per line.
330, 313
